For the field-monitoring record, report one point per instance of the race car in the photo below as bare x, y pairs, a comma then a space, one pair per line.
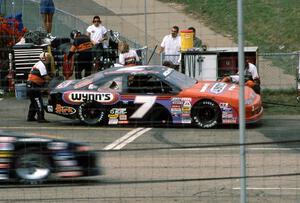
151, 95
34, 159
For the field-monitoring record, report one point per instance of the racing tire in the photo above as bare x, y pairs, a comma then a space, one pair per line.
159, 116
31, 167
206, 114
91, 113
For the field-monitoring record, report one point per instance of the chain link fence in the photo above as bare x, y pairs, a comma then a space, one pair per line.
209, 175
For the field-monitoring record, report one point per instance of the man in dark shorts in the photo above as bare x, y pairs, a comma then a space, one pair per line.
47, 10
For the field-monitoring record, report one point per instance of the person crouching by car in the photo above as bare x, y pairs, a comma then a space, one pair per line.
37, 78
82, 45
252, 78
127, 57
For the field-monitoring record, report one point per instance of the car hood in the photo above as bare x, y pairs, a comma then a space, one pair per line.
217, 89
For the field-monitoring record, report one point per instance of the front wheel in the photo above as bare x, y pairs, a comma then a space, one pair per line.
91, 113
32, 167
206, 114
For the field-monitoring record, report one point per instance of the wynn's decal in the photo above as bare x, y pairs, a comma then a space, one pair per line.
74, 97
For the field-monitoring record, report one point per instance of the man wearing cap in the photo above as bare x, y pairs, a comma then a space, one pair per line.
37, 77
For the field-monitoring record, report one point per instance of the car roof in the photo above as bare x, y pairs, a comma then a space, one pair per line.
136, 69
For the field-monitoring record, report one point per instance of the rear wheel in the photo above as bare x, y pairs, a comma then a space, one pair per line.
92, 113
32, 167
206, 114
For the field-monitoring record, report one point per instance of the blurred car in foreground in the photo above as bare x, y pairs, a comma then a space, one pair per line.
151, 95
34, 159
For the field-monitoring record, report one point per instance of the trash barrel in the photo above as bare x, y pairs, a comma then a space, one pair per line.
21, 91
186, 39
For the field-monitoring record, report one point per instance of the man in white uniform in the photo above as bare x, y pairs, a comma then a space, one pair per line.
97, 32
171, 46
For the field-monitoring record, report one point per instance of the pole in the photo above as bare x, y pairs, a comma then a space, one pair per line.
146, 29
241, 61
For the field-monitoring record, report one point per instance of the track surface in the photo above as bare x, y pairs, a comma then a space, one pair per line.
145, 164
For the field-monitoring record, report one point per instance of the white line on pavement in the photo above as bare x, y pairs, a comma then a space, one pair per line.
126, 136
130, 139
59, 128
270, 188
120, 140
237, 148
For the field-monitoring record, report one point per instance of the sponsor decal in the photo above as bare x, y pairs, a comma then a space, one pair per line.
187, 104
178, 110
223, 105
186, 115
227, 121
3, 176
177, 101
64, 84
176, 106
186, 109
92, 87
4, 160
63, 156
49, 108
167, 72
123, 122
4, 165
118, 111
227, 115
218, 88
57, 145
123, 117
7, 139
64, 110
6, 147
70, 174
227, 112
186, 99
186, 120
113, 115
66, 163
5, 154
113, 121
34, 139
75, 97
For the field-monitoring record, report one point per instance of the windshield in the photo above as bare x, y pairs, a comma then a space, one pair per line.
180, 80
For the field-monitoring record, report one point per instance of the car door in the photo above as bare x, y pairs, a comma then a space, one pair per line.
147, 98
